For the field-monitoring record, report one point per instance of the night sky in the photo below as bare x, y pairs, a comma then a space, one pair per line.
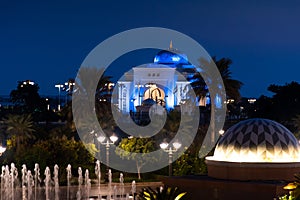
46, 41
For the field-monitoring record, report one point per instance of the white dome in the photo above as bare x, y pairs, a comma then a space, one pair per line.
257, 140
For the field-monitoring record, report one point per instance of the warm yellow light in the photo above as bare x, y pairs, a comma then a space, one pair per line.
290, 186
230, 154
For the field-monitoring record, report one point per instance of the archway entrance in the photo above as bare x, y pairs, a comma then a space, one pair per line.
156, 94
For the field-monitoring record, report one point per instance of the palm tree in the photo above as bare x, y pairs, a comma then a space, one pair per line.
90, 93
20, 128
232, 86
85, 87
200, 87
85, 84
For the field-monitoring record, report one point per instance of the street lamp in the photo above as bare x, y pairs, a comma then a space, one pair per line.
28, 82
170, 150
48, 105
59, 86
107, 142
69, 88
221, 132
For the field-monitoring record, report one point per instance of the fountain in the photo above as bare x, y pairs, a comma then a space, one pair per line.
133, 188
24, 174
30, 184
98, 174
122, 185
27, 179
37, 178
109, 183
6, 185
47, 182
56, 181
87, 183
69, 175
80, 181
14, 176
12, 188
9, 181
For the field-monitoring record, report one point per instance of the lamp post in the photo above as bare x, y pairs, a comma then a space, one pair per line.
69, 88
107, 142
170, 150
48, 105
59, 86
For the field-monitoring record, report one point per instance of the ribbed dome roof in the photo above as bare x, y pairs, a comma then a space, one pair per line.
257, 140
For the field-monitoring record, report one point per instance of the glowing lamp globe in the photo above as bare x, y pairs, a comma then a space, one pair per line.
176, 145
164, 145
113, 138
101, 138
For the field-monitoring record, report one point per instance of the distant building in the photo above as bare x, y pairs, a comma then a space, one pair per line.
164, 82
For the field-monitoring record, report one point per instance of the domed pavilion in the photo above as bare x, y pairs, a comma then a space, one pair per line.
254, 159
255, 149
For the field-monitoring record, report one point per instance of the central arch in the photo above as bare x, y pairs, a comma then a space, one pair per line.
155, 93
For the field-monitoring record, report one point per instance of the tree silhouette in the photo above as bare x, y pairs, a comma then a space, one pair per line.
283, 106
232, 86
26, 97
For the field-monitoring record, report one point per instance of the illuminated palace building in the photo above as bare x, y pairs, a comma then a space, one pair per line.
166, 82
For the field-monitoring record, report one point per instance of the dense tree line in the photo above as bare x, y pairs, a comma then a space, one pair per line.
283, 106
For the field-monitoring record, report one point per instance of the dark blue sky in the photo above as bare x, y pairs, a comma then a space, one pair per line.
46, 41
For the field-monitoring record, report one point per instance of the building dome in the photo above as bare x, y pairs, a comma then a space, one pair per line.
257, 140
171, 57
